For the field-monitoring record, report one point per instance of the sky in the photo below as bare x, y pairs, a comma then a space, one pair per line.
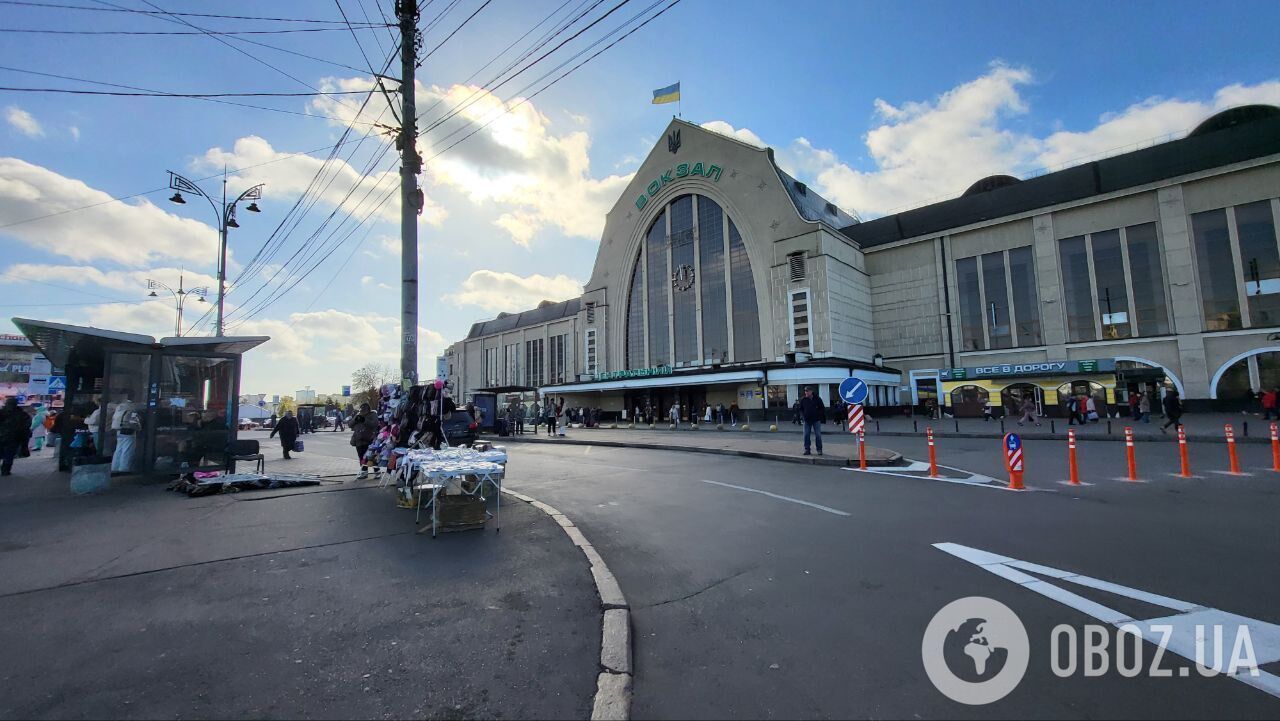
878, 106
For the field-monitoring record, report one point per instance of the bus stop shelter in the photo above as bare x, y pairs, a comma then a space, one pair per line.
151, 406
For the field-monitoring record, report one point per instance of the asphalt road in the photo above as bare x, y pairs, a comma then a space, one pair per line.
285, 604
747, 605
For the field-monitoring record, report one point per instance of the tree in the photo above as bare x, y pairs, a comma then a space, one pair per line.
366, 381
287, 404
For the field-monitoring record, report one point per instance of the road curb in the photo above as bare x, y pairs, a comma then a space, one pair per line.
612, 701
894, 458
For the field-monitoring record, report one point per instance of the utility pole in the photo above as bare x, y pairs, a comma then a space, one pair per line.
411, 200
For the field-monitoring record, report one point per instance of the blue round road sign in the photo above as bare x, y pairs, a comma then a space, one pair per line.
1012, 441
853, 390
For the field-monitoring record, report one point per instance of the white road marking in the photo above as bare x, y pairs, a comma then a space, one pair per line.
976, 480
1264, 635
780, 498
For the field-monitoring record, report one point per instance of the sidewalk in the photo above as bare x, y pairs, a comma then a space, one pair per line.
317, 602
1200, 427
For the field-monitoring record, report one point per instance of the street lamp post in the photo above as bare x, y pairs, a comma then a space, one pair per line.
226, 213
179, 298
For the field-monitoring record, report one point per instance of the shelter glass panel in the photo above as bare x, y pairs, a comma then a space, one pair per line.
193, 425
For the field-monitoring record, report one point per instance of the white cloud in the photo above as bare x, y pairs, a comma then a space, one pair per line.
342, 184
1150, 120
127, 233
924, 151
126, 281
507, 292
23, 122
535, 177
75, 133
368, 280
746, 136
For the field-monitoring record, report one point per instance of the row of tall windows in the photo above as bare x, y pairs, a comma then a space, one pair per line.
557, 356
692, 295
533, 362
999, 306
491, 367
1113, 284
1238, 260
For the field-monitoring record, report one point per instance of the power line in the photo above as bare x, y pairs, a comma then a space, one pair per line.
455, 30
165, 12
43, 31
161, 94
242, 51
149, 90
355, 37
549, 85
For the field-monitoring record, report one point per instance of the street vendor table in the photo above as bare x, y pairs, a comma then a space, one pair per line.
428, 474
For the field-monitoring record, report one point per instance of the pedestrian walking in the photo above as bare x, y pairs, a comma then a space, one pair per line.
986, 413
1092, 407
339, 421
1269, 399
795, 413
551, 416
1172, 410
733, 413
38, 431
648, 414
1134, 399
535, 416
289, 431
521, 411
1029, 411
812, 412
720, 414
1144, 407
674, 414
364, 429
562, 418
15, 431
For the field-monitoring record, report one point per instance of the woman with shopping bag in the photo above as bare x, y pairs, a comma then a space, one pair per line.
288, 429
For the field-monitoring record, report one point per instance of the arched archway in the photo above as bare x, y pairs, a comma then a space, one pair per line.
968, 401
1173, 378
1236, 377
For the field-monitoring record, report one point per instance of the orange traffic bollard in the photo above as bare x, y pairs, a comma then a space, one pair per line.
933, 453
1231, 449
1072, 469
1013, 460
1128, 447
1275, 447
1182, 450
862, 450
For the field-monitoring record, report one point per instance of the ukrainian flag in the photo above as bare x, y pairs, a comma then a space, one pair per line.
669, 94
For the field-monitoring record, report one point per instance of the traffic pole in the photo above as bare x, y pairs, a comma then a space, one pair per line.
1182, 451
1231, 449
1013, 460
933, 454
1128, 447
1275, 447
1072, 468
862, 450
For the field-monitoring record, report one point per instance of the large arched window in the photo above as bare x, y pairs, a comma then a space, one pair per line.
692, 256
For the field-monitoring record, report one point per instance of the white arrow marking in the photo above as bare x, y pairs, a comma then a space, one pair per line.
1189, 616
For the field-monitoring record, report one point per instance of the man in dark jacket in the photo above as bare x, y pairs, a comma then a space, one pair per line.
288, 430
15, 431
812, 412
1172, 410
